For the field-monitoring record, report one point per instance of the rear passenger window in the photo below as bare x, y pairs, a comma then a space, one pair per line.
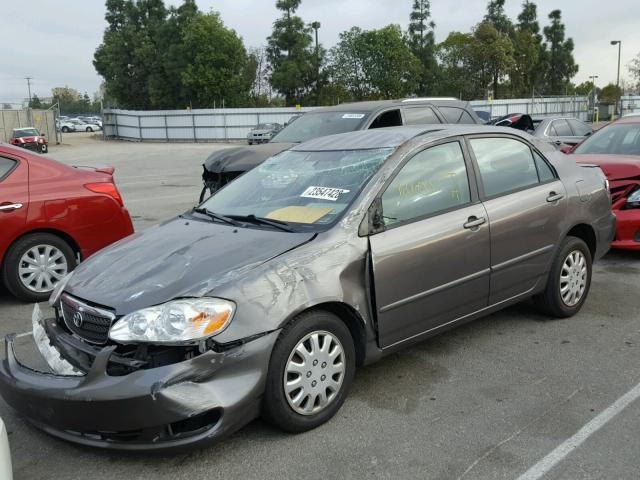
562, 128
505, 165
545, 174
433, 180
420, 116
456, 115
392, 118
6, 165
579, 129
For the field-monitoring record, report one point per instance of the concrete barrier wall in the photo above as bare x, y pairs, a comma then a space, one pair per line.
43, 120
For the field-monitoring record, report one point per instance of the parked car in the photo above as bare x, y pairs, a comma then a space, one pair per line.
224, 165
92, 120
53, 216
561, 131
29, 138
5, 454
263, 133
615, 148
519, 121
65, 126
81, 126
327, 256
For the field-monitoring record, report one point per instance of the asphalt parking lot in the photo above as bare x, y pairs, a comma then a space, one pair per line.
488, 400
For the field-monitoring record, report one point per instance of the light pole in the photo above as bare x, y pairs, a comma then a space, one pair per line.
316, 26
593, 96
619, 43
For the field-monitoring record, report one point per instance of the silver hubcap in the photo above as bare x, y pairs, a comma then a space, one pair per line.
573, 278
314, 373
41, 267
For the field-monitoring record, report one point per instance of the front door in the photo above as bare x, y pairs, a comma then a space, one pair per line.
526, 204
14, 198
431, 263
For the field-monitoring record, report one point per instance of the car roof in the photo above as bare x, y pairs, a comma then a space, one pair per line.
394, 137
370, 106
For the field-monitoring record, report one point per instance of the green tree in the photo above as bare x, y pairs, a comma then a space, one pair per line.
527, 44
557, 56
421, 41
610, 94
634, 69
492, 55
216, 64
35, 102
290, 54
583, 89
503, 27
375, 64
456, 58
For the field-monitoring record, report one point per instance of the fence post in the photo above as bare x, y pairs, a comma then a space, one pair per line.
224, 120
4, 125
116, 117
139, 128
193, 124
166, 128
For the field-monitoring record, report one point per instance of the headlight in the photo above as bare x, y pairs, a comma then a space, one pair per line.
634, 197
177, 322
58, 289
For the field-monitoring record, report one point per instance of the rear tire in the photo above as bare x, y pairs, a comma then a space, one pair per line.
326, 372
569, 280
44, 149
19, 256
65, 129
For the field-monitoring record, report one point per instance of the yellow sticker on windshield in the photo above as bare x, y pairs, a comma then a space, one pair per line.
299, 214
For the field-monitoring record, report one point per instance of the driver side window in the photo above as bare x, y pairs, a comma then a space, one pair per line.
433, 181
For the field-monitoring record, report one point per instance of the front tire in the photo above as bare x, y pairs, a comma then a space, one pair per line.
310, 372
569, 280
89, 129
44, 148
65, 129
34, 265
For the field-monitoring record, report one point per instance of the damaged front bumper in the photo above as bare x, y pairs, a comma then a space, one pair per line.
194, 401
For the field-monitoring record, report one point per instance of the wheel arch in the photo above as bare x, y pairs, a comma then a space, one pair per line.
53, 231
350, 317
586, 233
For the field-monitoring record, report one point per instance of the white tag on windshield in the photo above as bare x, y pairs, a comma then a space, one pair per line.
323, 193
353, 115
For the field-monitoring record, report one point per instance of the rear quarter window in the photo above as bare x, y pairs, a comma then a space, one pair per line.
6, 166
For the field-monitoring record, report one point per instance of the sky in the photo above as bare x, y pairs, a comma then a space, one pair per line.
53, 42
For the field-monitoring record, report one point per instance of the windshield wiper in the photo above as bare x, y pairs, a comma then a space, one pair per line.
279, 224
216, 216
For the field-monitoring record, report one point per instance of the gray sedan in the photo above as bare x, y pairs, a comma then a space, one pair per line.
263, 133
561, 131
330, 255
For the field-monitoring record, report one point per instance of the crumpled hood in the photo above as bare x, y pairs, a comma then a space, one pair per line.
243, 159
29, 139
615, 167
180, 258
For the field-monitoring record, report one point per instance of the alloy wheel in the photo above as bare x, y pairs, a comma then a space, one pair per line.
42, 267
573, 278
314, 372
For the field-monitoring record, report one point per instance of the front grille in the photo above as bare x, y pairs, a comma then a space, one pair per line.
88, 322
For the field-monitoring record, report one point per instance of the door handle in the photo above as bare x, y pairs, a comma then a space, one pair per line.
554, 197
473, 222
11, 206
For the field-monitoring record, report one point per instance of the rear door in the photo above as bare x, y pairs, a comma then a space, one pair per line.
14, 198
526, 206
580, 130
431, 263
560, 133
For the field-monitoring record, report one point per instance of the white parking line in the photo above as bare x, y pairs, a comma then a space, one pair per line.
564, 449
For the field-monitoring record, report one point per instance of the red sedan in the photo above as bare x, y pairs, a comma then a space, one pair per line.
616, 149
52, 216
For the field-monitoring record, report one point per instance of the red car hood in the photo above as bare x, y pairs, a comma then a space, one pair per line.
615, 167
28, 139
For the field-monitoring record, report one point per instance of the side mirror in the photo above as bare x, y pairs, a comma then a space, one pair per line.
373, 222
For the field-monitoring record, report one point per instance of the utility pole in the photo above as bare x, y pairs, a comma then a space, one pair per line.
316, 26
593, 96
28, 79
619, 43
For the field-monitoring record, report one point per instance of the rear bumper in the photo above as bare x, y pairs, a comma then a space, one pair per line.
179, 405
628, 230
605, 230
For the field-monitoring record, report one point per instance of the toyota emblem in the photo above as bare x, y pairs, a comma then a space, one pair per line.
77, 319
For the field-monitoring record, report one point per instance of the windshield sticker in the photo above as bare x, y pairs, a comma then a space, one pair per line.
323, 193
353, 115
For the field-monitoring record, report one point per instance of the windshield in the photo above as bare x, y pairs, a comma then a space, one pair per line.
264, 126
615, 139
27, 132
301, 188
320, 124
